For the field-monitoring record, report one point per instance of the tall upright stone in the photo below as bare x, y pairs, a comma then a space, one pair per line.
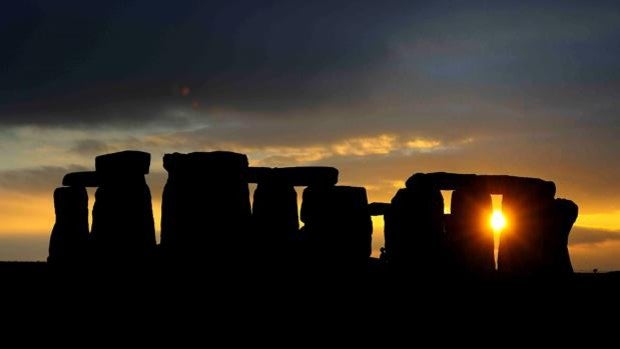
414, 227
275, 218
69, 238
469, 235
528, 213
555, 245
337, 229
123, 228
206, 207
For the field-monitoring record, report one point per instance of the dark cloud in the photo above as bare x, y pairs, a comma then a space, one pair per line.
38, 180
127, 63
68, 62
592, 236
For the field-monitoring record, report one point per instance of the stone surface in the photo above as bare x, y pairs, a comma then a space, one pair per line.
378, 208
492, 184
206, 207
337, 226
275, 220
81, 179
260, 174
468, 232
555, 246
215, 163
528, 214
296, 176
123, 227
414, 229
123, 163
69, 238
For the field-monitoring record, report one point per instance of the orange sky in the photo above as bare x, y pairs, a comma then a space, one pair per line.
378, 89
29, 218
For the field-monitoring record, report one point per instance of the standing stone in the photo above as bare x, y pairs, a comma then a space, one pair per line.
555, 248
528, 213
69, 238
337, 227
275, 219
469, 234
206, 207
123, 227
414, 227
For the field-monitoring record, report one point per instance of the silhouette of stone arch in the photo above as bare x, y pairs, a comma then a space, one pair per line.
207, 217
122, 229
419, 237
337, 226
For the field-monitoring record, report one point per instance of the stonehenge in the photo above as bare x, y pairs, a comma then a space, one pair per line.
209, 219
535, 240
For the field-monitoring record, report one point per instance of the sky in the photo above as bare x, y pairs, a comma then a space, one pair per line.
379, 89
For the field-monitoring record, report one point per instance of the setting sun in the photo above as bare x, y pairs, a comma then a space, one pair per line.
498, 222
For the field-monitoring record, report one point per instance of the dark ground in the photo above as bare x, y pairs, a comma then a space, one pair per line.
370, 308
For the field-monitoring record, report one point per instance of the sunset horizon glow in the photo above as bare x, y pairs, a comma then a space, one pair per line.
379, 90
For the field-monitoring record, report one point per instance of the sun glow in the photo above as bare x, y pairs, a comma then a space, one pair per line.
498, 221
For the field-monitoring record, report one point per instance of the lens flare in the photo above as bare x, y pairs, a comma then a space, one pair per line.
498, 222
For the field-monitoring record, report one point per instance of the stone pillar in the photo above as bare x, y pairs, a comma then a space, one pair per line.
469, 233
206, 207
123, 227
414, 228
275, 218
555, 247
528, 214
274, 213
69, 238
337, 228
